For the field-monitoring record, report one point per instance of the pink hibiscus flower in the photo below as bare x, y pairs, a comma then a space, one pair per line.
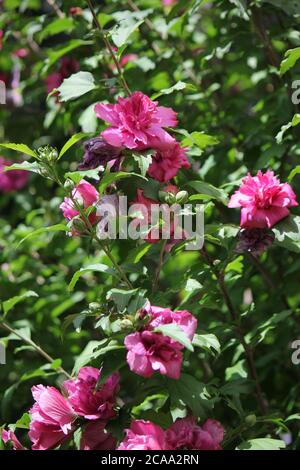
52, 418
9, 436
87, 400
263, 199
164, 316
150, 352
186, 434
167, 162
84, 194
144, 435
95, 437
137, 122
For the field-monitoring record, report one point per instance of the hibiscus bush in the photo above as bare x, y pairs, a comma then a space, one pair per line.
117, 332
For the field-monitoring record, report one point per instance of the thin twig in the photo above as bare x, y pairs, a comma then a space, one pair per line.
160, 265
235, 318
37, 348
109, 48
56, 8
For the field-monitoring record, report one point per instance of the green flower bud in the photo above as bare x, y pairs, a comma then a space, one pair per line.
250, 420
69, 185
47, 154
94, 306
182, 197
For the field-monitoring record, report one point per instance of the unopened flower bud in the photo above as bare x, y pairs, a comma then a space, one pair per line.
182, 197
126, 323
94, 306
69, 185
79, 226
48, 154
250, 420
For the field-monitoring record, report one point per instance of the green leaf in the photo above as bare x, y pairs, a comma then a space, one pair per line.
110, 178
293, 173
100, 268
262, 444
53, 228
287, 233
143, 160
93, 350
291, 57
128, 22
209, 190
207, 341
131, 300
60, 25
199, 139
10, 303
177, 87
55, 54
293, 123
22, 148
137, 254
72, 141
175, 332
77, 176
76, 85
193, 393
26, 166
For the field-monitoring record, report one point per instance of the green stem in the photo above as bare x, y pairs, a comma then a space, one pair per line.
240, 333
109, 48
37, 348
160, 265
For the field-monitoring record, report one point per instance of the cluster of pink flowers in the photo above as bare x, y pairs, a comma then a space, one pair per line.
183, 434
150, 351
54, 415
263, 199
12, 180
138, 123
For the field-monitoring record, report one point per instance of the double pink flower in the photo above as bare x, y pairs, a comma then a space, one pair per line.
149, 351
183, 434
53, 416
264, 200
139, 123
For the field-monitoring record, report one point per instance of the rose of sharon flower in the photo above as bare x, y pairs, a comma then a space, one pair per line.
165, 316
186, 434
12, 180
51, 418
85, 195
9, 436
98, 152
144, 435
95, 437
166, 163
87, 400
150, 352
263, 199
137, 122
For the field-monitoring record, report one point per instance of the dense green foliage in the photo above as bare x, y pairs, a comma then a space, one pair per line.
224, 67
